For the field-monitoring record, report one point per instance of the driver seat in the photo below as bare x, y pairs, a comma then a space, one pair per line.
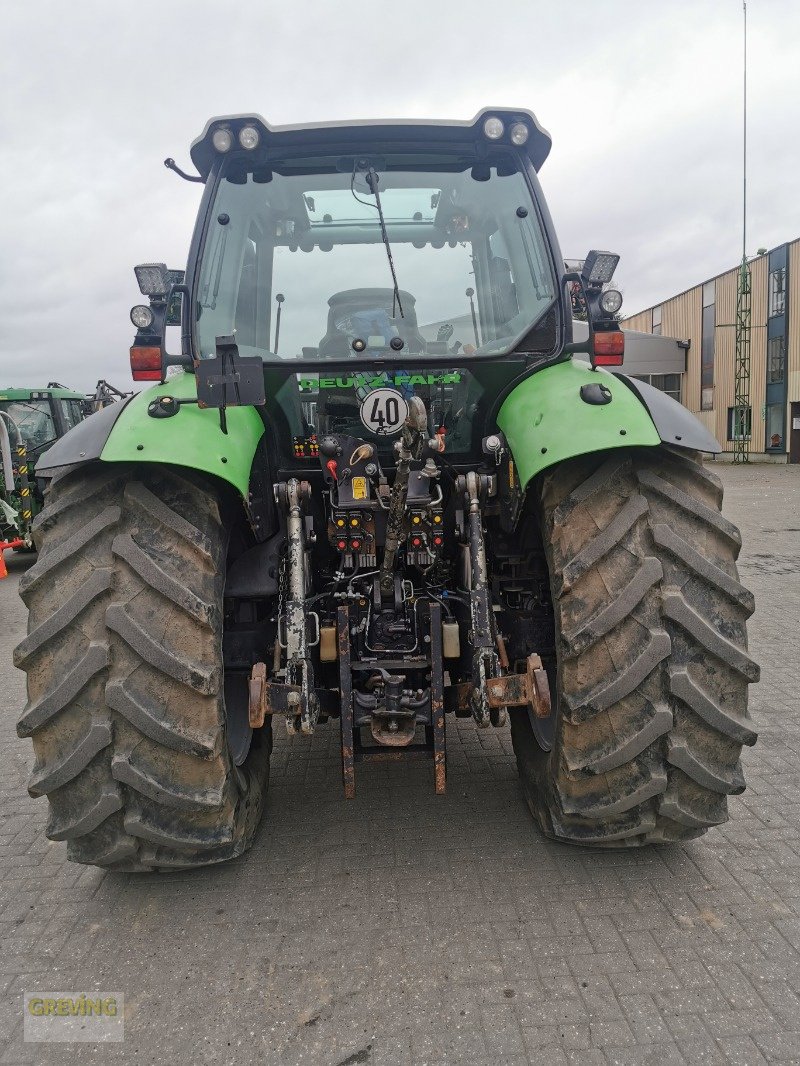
343, 305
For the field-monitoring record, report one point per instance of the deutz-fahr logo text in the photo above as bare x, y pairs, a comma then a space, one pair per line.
369, 381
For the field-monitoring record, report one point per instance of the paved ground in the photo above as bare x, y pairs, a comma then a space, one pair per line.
405, 928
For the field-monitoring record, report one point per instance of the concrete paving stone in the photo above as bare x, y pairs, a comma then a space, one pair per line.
736, 1023
362, 931
741, 1051
586, 1057
651, 1055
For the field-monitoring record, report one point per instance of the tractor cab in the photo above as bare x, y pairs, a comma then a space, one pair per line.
357, 266
39, 417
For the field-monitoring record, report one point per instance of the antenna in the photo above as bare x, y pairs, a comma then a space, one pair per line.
743, 420
744, 136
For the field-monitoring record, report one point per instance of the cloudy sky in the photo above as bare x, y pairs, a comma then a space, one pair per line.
643, 101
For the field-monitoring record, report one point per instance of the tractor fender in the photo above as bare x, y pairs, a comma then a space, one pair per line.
190, 438
546, 418
674, 423
82, 443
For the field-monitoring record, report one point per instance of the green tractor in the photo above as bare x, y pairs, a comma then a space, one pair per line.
30, 421
381, 483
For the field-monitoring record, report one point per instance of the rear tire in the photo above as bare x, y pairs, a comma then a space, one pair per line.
126, 704
652, 675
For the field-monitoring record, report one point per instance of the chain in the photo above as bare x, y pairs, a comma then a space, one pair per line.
281, 589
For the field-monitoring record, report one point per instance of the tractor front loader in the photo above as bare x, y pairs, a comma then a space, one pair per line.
383, 484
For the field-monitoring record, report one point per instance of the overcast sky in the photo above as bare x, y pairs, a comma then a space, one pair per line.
643, 101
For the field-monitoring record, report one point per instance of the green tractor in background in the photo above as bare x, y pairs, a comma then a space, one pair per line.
383, 483
31, 420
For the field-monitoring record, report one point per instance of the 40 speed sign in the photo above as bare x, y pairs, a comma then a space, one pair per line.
383, 412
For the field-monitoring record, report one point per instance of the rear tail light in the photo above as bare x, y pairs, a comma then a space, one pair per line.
146, 364
608, 348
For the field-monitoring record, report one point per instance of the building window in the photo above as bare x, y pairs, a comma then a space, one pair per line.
656, 326
777, 292
667, 383
776, 360
707, 348
739, 423
775, 427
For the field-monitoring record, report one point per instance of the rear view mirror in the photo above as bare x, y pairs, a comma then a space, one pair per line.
174, 277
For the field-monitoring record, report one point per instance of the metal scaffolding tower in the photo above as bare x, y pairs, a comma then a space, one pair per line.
742, 419
742, 427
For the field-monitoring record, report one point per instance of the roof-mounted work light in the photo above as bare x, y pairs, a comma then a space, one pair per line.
519, 133
494, 128
249, 137
222, 140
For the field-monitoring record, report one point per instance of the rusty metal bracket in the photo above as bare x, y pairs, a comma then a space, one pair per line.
530, 689
269, 697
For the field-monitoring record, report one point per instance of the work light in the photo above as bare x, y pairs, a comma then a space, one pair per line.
611, 301
599, 267
222, 140
141, 316
248, 137
493, 128
152, 279
519, 133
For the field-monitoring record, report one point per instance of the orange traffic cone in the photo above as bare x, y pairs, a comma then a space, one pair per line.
3, 571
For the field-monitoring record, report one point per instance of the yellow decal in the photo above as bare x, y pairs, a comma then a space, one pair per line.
359, 488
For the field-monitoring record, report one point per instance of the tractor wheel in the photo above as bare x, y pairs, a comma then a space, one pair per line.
142, 742
650, 688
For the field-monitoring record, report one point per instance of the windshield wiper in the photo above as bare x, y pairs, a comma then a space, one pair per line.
372, 182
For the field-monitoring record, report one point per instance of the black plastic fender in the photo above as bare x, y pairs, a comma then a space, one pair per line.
83, 443
674, 424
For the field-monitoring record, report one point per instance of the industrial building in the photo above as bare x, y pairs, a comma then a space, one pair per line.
703, 321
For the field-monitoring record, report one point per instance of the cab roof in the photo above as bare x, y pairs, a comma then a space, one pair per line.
28, 394
364, 131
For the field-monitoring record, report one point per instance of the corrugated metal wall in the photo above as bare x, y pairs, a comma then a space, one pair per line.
681, 317
643, 321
